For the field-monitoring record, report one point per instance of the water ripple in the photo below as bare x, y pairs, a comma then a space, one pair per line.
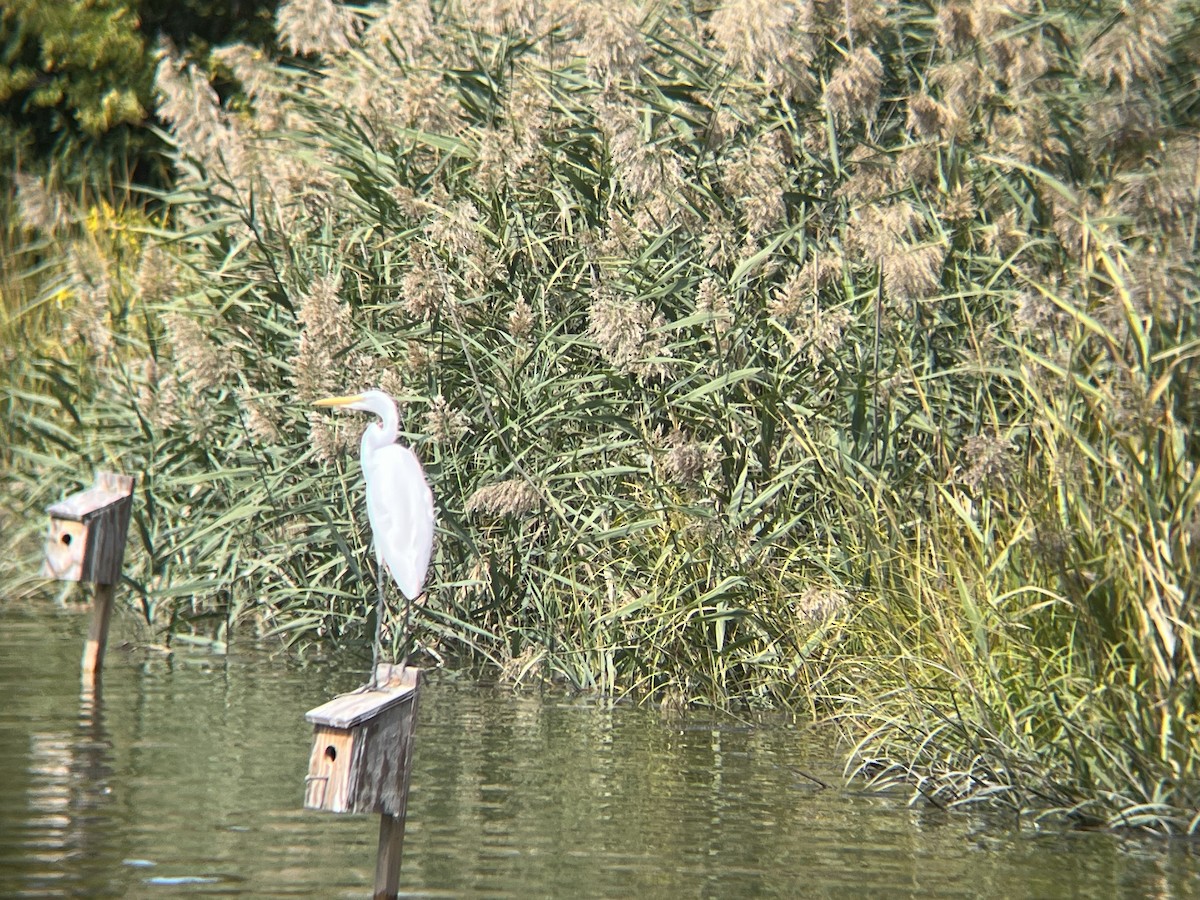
186, 779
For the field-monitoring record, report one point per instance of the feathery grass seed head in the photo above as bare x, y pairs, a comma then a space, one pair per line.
888, 235
720, 242
964, 85
871, 175
326, 334
1171, 191
457, 234
203, 366
755, 178
188, 103
260, 79
422, 286
1028, 133
90, 318
39, 208
867, 18
956, 26
712, 298
987, 460
399, 28
157, 275
686, 461
959, 205
817, 605
1017, 62
498, 159
821, 330
769, 41
1133, 49
444, 423
514, 497
623, 329
1005, 236
418, 361
876, 230
421, 101
913, 272
644, 165
1034, 314
330, 438
852, 92
517, 17
918, 165
609, 37
930, 119
260, 418
316, 26
520, 320
158, 396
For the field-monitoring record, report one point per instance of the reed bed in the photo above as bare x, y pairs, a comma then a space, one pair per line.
829, 354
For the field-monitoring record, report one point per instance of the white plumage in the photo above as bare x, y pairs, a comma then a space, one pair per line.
399, 501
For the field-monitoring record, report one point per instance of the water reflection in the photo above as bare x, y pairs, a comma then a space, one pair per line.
68, 788
187, 779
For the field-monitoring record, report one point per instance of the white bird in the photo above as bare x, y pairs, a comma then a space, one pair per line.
399, 501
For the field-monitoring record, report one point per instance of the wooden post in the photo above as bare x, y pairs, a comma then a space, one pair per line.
391, 824
93, 648
387, 863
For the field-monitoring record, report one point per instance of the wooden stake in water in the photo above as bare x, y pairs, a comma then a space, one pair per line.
387, 863
97, 639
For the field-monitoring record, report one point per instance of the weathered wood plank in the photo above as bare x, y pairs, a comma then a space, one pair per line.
65, 545
108, 489
352, 709
97, 639
327, 783
106, 550
387, 862
387, 760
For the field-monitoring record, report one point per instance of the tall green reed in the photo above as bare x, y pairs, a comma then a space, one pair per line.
842, 360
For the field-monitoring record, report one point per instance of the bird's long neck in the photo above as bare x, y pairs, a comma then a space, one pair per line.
381, 433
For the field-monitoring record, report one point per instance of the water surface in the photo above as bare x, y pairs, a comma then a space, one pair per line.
186, 780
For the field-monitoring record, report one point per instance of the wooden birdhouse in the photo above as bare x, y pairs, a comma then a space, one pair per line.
86, 541
362, 746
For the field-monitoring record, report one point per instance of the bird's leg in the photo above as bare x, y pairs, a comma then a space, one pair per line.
407, 613
377, 645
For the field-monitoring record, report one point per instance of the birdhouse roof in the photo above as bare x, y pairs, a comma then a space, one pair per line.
356, 707
81, 506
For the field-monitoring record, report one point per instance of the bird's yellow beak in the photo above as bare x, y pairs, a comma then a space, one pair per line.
339, 401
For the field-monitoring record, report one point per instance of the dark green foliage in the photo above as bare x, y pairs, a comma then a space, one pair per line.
74, 75
76, 78
196, 26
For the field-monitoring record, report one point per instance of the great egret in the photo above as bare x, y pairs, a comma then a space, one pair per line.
399, 501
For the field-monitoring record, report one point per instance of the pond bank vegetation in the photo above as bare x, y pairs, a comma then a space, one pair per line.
830, 354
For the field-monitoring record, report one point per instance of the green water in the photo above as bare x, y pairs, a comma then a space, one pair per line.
186, 780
